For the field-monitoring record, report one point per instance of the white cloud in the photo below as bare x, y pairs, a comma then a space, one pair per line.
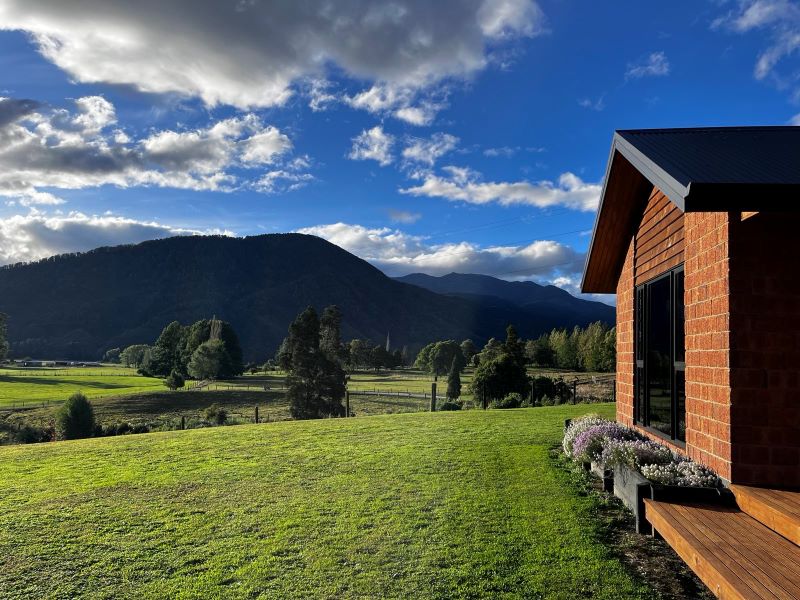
598, 104
463, 185
373, 144
653, 65
255, 54
398, 253
95, 113
34, 236
263, 147
795, 120
428, 151
42, 147
404, 216
780, 20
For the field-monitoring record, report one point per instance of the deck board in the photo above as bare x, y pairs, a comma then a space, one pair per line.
732, 553
777, 509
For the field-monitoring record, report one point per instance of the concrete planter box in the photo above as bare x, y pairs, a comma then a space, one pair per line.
607, 475
632, 488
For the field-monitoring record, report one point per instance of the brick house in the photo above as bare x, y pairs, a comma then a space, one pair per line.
697, 234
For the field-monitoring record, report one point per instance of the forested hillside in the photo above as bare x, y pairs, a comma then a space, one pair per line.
80, 305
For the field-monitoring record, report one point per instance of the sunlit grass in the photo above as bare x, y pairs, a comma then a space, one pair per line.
444, 505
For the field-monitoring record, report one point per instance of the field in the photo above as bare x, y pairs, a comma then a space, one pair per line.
465, 504
21, 387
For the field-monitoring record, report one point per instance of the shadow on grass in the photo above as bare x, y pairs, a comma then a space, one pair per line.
648, 559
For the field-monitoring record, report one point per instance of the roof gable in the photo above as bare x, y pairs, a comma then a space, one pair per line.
701, 169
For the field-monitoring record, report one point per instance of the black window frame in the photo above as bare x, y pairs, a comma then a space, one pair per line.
641, 397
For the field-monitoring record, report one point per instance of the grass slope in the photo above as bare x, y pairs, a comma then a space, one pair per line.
439, 505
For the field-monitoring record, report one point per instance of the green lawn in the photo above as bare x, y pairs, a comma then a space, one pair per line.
448, 505
24, 387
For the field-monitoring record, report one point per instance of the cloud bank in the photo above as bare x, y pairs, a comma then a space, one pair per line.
54, 148
256, 53
464, 185
25, 238
398, 253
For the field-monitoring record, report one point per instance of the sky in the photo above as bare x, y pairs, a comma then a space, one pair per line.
458, 135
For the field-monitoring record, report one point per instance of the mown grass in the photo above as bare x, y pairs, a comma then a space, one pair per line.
19, 388
446, 505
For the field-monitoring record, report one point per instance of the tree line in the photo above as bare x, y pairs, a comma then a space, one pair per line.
206, 349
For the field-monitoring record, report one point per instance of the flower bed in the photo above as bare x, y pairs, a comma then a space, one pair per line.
642, 468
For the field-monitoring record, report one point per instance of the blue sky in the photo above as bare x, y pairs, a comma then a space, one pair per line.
466, 136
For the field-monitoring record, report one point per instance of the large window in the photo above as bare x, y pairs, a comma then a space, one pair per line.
660, 400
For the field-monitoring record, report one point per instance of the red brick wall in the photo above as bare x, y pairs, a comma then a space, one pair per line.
765, 355
707, 281
625, 362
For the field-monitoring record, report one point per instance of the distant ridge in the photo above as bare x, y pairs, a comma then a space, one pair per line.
76, 306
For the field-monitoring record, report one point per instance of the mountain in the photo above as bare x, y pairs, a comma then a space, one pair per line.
76, 306
558, 303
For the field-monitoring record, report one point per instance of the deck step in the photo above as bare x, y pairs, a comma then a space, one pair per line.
732, 553
777, 509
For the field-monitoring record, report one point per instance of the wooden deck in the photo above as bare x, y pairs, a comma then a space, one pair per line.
777, 509
735, 555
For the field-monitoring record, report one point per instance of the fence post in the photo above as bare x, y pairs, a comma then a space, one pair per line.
347, 403
256, 413
575, 391
183, 423
483, 396
533, 392
433, 397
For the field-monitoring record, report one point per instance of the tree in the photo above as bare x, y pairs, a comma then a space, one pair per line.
75, 418
208, 361
112, 355
443, 355
330, 337
513, 346
316, 383
359, 353
133, 356
539, 352
204, 330
469, 350
379, 358
491, 350
423, 360
3, 336
166, 352
565, 349
499, 377
175, 380
454, 381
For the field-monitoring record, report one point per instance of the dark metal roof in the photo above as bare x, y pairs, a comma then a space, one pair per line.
698, 169
697, 162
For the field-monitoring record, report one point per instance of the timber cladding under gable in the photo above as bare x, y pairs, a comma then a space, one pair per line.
658, 243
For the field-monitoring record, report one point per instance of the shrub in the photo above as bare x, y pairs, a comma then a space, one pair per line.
175, 380
588, 445
75, 418
512, 400
635, 453
682, 472
216, 414
547, 401
28, 434
450, 405
576, 426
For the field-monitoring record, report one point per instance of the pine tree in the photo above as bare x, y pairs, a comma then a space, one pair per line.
330, 337
316, 382
454, 381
